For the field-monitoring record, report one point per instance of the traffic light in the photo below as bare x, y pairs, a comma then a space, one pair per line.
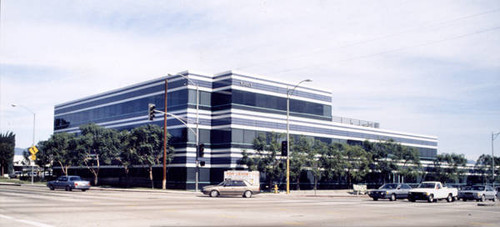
284, 146
201, 150
151, 111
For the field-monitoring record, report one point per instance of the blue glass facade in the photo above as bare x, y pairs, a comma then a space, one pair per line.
234, 108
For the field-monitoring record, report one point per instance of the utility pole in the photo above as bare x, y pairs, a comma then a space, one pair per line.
493, 137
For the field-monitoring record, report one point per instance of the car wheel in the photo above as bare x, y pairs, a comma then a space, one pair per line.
449, 198
375, 199
411, 200
393, 197
431, 198
68, 188
84, 190
247, 194
483, 198
51, 187
464, 199
214, 193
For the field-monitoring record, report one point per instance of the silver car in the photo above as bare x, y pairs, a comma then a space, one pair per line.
391, 192
69, 183
478, 193
231, 187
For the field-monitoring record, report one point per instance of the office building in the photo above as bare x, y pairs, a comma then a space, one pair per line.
233, 109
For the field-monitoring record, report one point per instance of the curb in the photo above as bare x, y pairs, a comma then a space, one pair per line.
10, 184
141, 190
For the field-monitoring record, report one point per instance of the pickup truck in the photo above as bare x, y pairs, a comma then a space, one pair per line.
432, 191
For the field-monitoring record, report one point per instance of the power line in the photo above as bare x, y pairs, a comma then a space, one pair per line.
432, 25
397, 49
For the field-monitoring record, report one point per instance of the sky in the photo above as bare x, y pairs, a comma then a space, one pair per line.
428, 67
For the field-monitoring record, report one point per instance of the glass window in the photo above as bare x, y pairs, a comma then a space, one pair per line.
204, 136
239, 183
237, 135
249, 136
279, 103
221, 98
178, 135
405, 186
75, 178
220, 136
205, 98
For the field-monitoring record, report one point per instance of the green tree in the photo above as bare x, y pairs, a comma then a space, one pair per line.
7, 144
313, 161
483, 167
408, 159
147, 142
382, 154
43, 159
265, 159
128, 155
357, 162
332, 161
449, 167
299, 159
98, 145
60, 149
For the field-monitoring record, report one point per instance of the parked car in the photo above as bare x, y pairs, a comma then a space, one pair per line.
232, 187
13, 175
69, 183
391, 192
478, 193
432, 191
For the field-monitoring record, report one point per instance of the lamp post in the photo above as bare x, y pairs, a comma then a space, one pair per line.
288, 94
197, 134
33, 144
493, 137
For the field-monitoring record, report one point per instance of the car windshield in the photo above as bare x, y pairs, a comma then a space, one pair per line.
478, 188
426, 185
467, 188
389, 186
75, 178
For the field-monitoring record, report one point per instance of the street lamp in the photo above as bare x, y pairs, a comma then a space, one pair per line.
33, 144
197, 136
288, 94
493, 137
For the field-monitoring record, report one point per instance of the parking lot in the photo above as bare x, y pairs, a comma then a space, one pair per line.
38, 206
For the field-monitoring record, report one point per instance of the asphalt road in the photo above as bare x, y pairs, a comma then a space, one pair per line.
38, 206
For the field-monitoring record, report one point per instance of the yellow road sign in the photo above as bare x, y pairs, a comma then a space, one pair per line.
33, 157
33, 150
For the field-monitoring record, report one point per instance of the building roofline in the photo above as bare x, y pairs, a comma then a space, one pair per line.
264, 78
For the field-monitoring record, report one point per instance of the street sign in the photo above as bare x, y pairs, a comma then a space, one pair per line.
33, 150
33, 157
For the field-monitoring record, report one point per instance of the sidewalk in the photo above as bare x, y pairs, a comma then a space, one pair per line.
301, 193
318, 193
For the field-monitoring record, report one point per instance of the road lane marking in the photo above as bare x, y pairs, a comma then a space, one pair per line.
33, 223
